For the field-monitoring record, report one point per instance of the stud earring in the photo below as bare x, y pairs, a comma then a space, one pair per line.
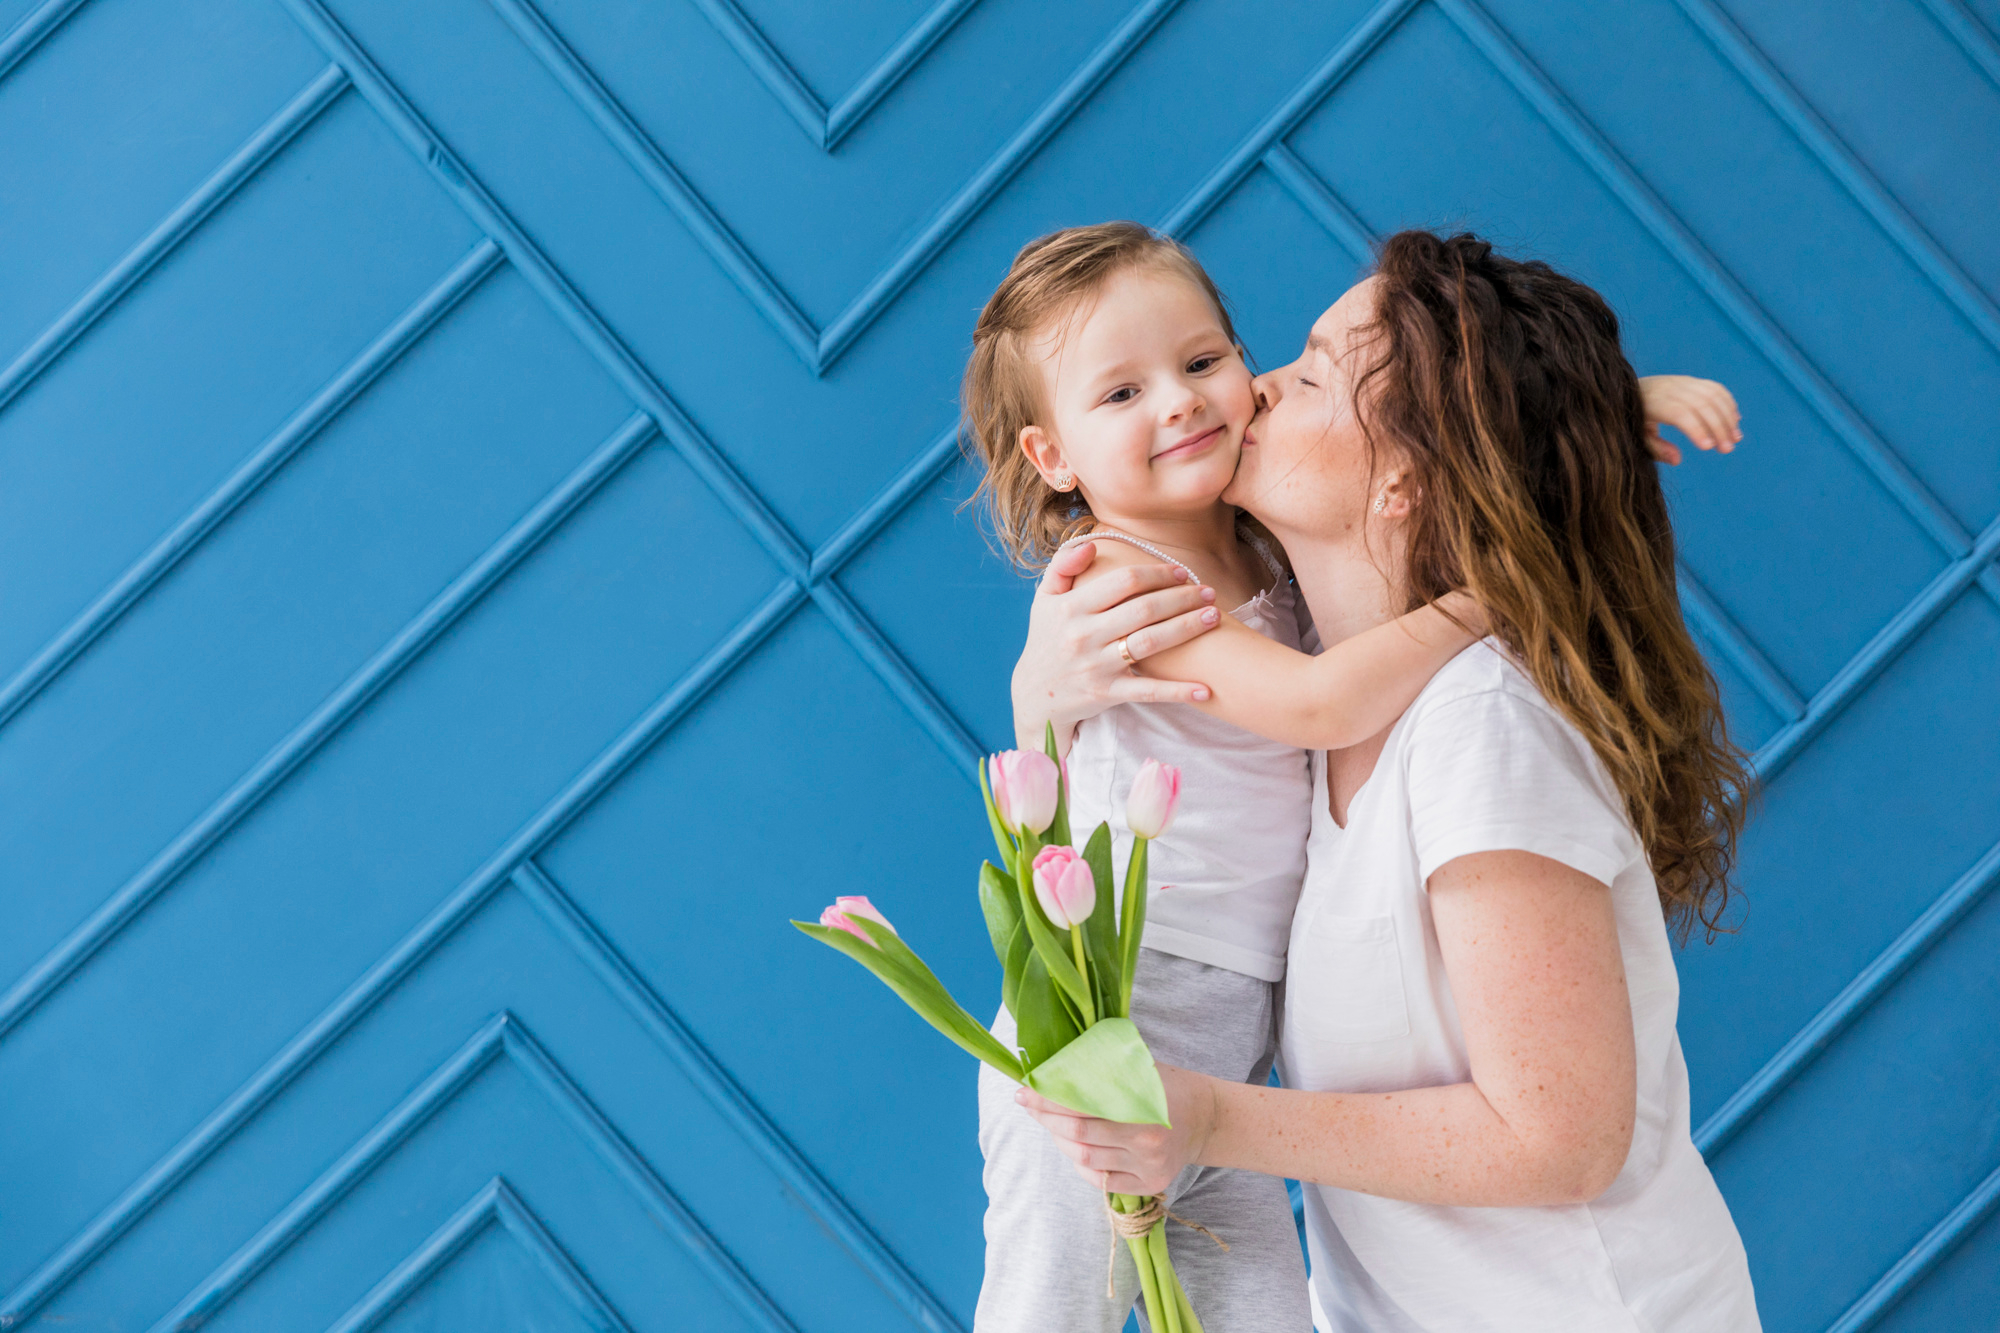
1063, 481
1380, 502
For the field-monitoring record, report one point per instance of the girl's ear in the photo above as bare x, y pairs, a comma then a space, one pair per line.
1045, 455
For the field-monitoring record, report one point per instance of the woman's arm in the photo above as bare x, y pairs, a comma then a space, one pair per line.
1352, 691
1070, 668
1531, 947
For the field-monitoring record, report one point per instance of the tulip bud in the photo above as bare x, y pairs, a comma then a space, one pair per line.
1064, 886
1155, 793
1024, 788
840, 917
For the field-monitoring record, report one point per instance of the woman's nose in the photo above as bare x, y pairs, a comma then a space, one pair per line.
1265, 387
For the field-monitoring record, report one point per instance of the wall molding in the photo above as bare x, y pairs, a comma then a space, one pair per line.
503, 1034
1854, 1000
303, 426
1846, 167
630, 373
371, 986
249, 791
820, 348
165, 237
825, 126
1923, 1257
1963, 27
713, 1079
1598, 156
495, 1204
1221, 182
31, 30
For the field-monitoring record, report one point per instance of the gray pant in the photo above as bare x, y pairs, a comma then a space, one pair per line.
1047, 1238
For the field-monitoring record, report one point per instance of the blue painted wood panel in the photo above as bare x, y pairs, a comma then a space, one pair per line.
480, 502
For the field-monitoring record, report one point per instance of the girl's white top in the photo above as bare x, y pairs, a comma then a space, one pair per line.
1226, 876
1482, 763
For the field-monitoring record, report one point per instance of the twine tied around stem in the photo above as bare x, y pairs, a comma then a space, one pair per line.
1133, 1225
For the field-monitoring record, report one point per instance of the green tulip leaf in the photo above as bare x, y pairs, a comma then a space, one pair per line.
899, 968
1132, 928
1043, 1022
1100, 932
1002, 907
1108, 1073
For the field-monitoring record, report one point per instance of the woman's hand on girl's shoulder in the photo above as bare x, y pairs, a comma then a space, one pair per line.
1700, 409
1084, 635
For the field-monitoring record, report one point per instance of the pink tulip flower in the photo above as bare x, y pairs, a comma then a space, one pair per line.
1064, 886
1155, 793
1024, 787
840, 916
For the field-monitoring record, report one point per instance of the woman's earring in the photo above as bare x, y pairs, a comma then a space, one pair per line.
1380, 502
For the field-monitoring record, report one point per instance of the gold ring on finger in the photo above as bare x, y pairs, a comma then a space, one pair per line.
1126, 653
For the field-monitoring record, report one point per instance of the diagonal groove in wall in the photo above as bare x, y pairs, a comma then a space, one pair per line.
1846, 167
827, 127
299, 429
1304, 185
309, 1043
328, 718
1964, 28
819, 349
495, 1204
33, 28
1924, 1256
1357, 46
1875, 656
241, 165
720, 1088
1598, 155
1840, 1013
597, 338
502, 1034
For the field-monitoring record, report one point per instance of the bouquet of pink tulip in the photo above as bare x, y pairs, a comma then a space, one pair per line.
1069, 997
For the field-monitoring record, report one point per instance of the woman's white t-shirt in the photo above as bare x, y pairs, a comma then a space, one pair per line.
1479, 763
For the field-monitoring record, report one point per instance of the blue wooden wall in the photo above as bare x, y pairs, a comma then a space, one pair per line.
479, 549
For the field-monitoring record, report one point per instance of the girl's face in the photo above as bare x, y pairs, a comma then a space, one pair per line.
1305, 471
1147, 399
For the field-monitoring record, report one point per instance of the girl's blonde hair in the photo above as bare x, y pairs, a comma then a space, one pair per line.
1003, 394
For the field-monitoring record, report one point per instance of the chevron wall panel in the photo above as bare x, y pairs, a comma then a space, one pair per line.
471, 468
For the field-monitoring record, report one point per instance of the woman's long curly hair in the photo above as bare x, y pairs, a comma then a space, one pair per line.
1502, 386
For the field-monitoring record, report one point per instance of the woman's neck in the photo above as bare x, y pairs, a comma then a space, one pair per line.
1347, 587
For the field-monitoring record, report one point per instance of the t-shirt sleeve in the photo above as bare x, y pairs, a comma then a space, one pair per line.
1493, 772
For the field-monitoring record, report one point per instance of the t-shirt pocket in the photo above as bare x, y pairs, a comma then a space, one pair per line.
1346, 984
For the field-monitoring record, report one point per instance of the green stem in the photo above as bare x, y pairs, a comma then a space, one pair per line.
1083, 970
1168, 1316
1189, 1322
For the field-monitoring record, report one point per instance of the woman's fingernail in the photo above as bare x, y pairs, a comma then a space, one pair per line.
1200, 695
1180, 576
1211, 616
1208, 594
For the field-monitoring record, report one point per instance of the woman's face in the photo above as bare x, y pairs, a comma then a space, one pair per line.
1305, 467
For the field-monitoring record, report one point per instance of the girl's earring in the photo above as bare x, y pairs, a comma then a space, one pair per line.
1063, 481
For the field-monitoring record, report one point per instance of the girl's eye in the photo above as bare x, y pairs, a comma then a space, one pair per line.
1201, 363
1123, 395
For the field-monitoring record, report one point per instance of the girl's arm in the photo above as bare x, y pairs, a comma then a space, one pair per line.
1531, 947
1070, 668
1352, 691
1702, 410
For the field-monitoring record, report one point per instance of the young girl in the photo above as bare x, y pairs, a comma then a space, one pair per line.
1108, 399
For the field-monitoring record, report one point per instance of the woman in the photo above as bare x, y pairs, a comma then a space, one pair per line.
1485, 1094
